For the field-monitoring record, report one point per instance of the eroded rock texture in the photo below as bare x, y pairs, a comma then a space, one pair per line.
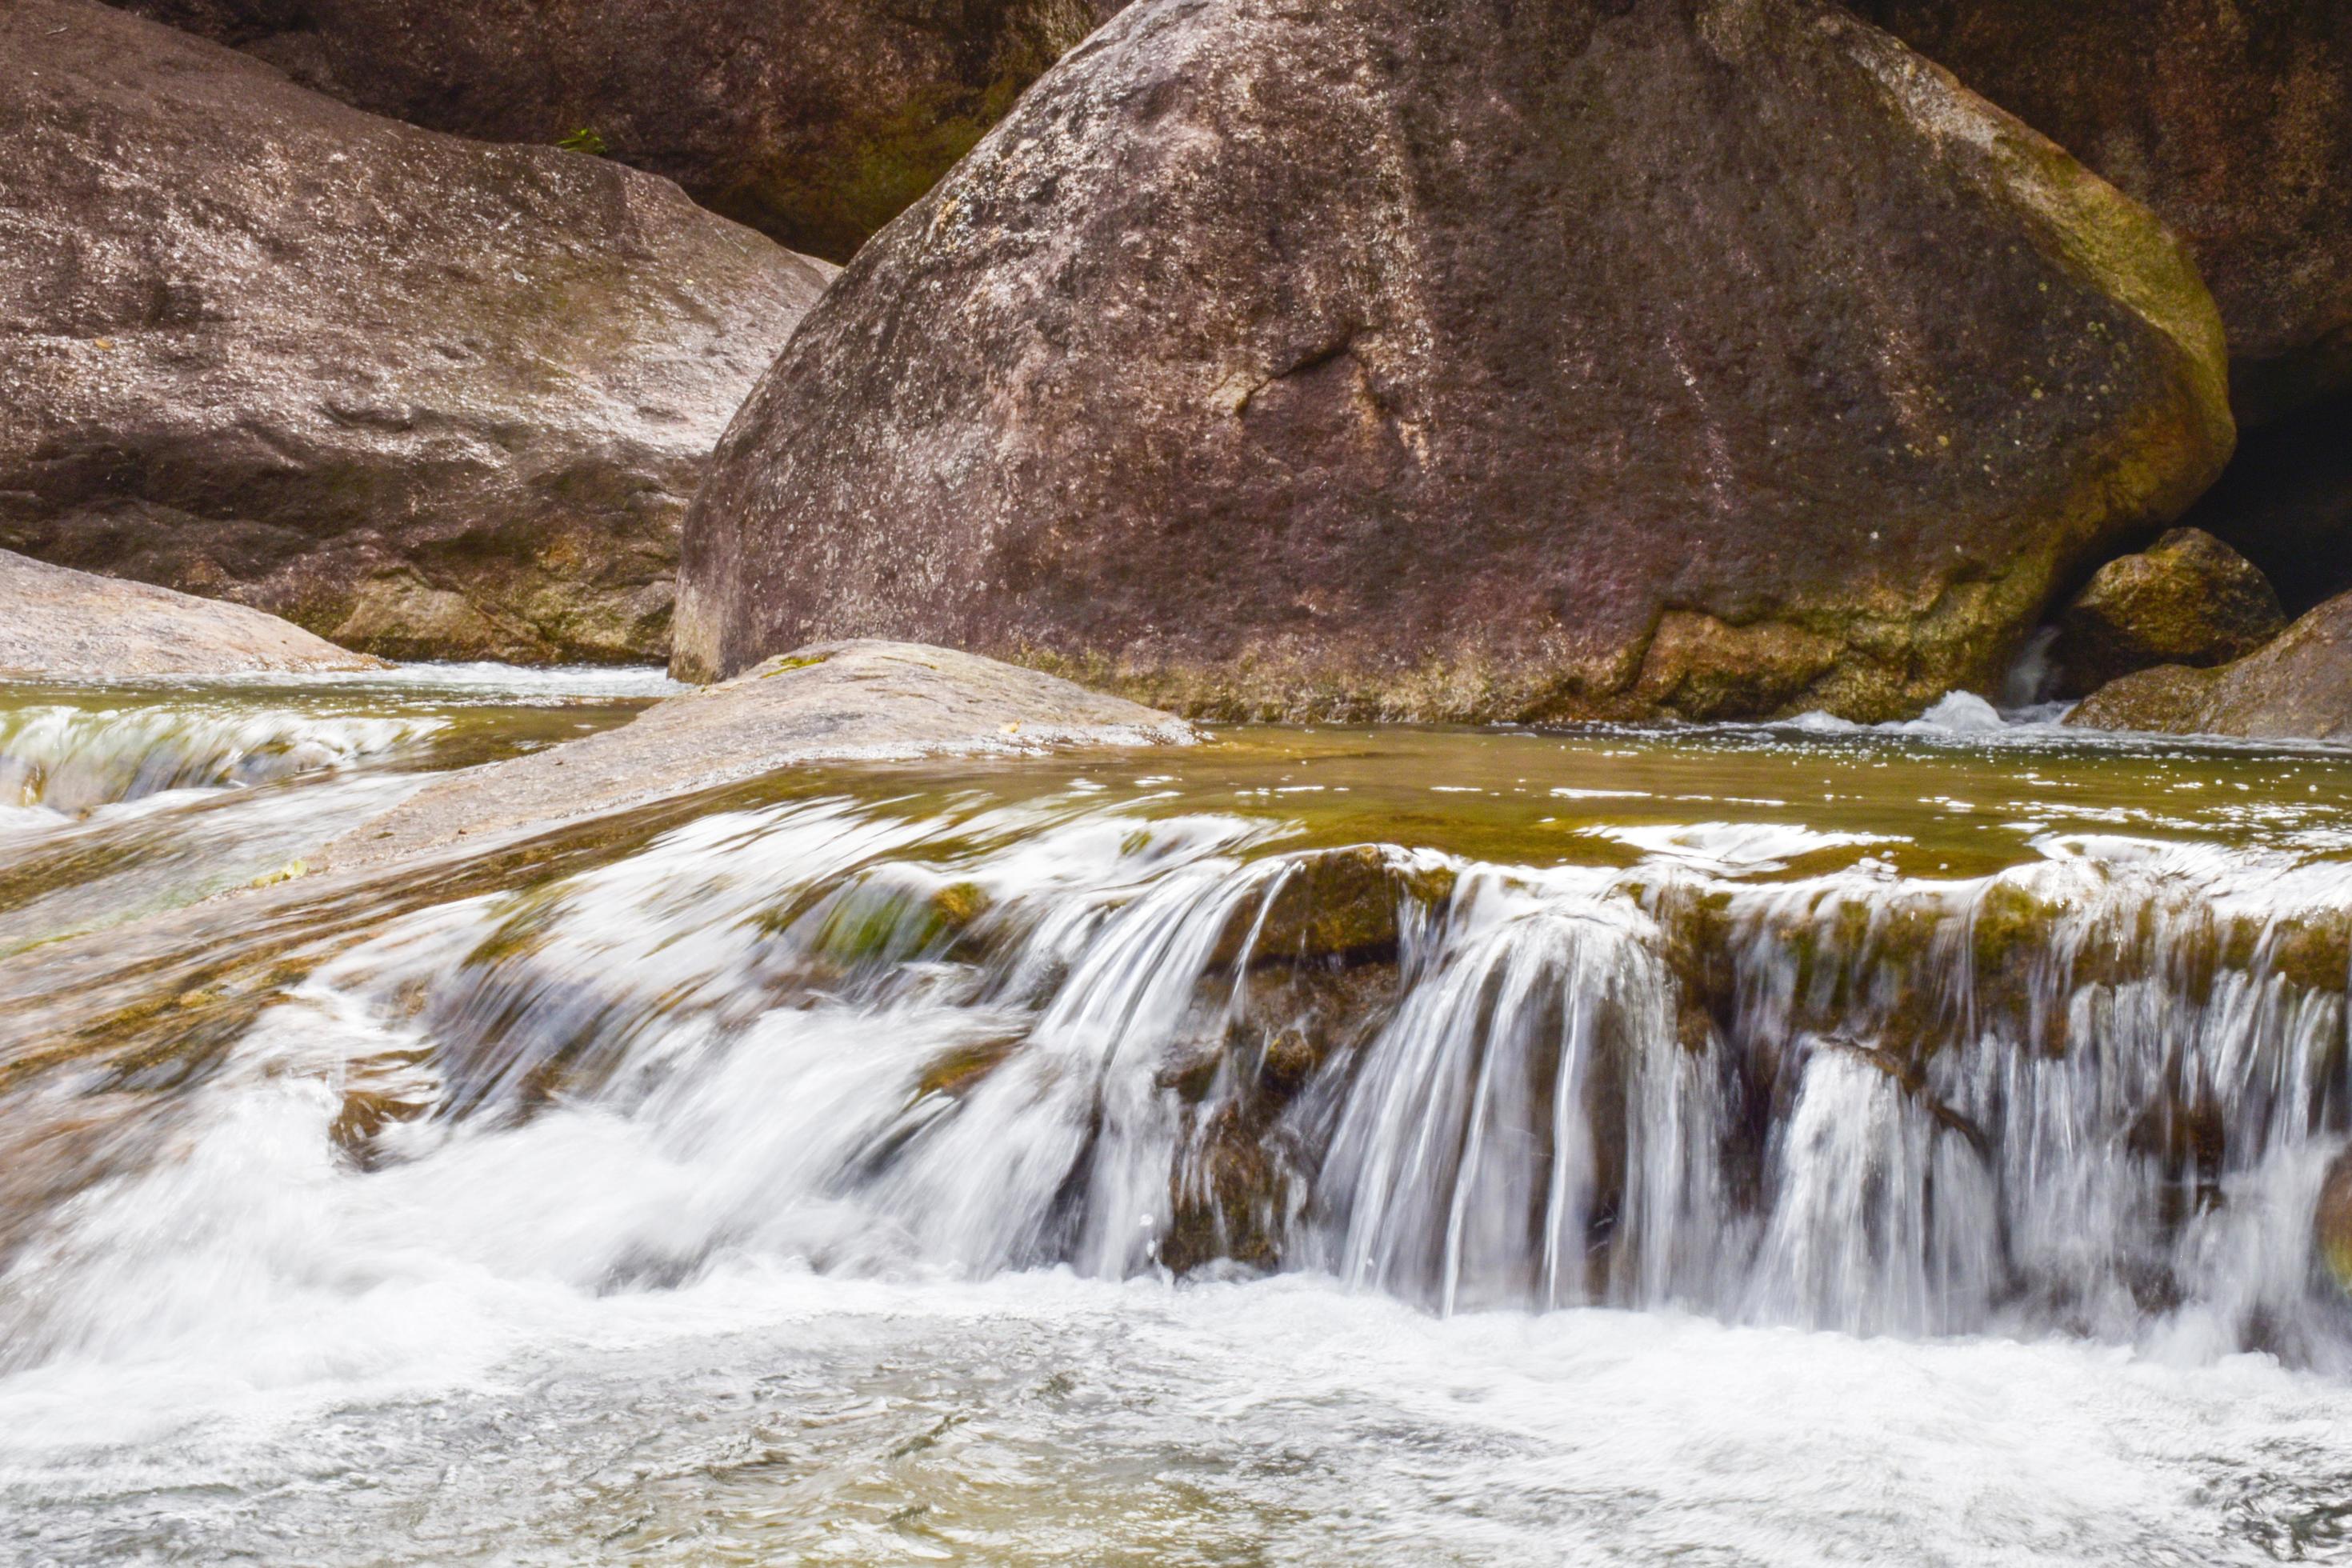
424, 397
813, 120
2232, 118
1698, 357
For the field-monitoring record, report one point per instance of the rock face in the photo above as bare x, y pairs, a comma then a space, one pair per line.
2232, 118
2297, 688
813, 120
1597, 360
60, 625
842, 701
427, 399
2189, 599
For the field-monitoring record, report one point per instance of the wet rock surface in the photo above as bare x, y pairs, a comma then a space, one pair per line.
815, 121
62, 625
2188, 599
1485, 371
2297, 688
842, 701
2232, 118
424, 397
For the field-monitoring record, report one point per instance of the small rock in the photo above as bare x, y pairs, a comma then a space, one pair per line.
2297, 687
2189, 599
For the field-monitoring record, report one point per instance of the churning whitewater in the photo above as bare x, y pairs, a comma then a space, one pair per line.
1028, 1164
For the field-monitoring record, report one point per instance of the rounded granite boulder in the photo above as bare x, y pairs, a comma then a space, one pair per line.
1389, 359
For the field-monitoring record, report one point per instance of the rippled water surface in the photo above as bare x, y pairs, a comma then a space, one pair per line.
1784, 1145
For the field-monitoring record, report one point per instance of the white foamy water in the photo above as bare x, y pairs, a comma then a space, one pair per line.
758, 1416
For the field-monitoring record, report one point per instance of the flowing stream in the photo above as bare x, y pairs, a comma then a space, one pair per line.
1799, 1144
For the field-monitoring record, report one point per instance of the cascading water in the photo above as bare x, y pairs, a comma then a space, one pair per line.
71, 759
918, 1040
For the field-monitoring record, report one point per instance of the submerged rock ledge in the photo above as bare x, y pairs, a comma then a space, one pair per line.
847, 702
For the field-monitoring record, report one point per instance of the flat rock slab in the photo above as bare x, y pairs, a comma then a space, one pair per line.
834, 703
60, 624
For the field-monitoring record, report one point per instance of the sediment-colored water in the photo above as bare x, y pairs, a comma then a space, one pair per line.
1782, 1145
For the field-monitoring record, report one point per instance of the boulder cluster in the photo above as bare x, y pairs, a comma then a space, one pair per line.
1606, 359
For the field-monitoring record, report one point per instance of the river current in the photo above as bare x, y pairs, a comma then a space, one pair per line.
1788, 1144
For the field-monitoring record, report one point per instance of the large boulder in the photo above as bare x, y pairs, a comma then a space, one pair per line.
2297, 688
813, 120
62, 625
1593, 360
2187, 599
2232, 118
424, 397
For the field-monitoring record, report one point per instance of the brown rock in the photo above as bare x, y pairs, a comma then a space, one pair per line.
1602, 360
816, 121
2232, 118
2187, 599
2297, 688
424, 397
1333, 907
58, 624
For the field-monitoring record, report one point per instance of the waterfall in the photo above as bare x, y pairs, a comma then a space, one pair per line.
2094, 1094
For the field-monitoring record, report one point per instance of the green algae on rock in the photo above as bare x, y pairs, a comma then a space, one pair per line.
1485, 372
2187, 599
424, 397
